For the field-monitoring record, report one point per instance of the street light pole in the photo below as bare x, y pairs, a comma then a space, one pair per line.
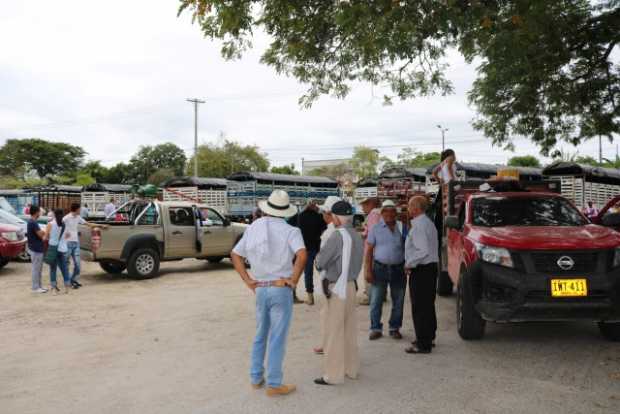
443, 137
195, 102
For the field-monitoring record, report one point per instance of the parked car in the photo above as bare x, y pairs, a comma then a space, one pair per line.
8, 218
142, 233
12, 243
528, 256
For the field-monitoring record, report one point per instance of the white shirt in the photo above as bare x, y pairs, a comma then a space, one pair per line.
421, 246
444, 173
281, 240
71, 226
109, 209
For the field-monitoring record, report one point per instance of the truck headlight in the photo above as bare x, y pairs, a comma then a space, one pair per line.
617, 257
10, 236
495, 255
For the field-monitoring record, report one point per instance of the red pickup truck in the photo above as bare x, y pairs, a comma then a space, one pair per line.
528, 256
12, 243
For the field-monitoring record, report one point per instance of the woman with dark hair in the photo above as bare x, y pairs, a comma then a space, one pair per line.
56, 236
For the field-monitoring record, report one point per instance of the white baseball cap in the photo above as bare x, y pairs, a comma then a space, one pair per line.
326, 207
388, 204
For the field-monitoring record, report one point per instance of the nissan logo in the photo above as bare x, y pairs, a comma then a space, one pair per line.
565, 263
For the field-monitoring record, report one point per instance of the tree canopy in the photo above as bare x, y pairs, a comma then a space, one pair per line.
285, 169
220, 161
20, 157
409, 157
365, 161
545, 68
150, 159
524, 161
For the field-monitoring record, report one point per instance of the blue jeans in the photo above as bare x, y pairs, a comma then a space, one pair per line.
274, 308
74, 253
61, 261
309, 271
394, 277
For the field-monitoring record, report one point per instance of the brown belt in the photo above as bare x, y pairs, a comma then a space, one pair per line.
272, 283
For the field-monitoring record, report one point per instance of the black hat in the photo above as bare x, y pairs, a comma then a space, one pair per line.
342, 208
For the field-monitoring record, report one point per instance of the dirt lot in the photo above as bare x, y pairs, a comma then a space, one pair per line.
180, 343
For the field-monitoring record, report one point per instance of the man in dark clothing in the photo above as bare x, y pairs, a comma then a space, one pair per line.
312, 225
35, 248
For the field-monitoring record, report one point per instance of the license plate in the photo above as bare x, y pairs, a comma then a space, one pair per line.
569, 287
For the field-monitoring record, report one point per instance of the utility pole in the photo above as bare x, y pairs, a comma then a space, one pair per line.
443, 137
600, 150
195, 102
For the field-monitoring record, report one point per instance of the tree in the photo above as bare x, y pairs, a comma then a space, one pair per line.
84, 179
331, 171
285, 169
365, 161
524, 161
96, 170
411, 158
160, 176
545, 68
220, 161
149, 159
587, 160
121, 173
47, 159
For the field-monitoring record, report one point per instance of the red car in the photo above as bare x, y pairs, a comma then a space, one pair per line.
12, 243
530, 256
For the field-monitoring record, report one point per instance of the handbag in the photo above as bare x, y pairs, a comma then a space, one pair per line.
51, 255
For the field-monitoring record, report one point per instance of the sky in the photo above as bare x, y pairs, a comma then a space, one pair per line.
112, 76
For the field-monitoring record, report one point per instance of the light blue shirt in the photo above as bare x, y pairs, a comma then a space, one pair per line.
421, 246
282, 240
388, 244
55, 236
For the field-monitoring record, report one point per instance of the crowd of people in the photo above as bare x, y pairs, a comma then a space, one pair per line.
57, 245
391, 250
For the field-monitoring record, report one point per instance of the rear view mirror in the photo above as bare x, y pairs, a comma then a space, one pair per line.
452, 222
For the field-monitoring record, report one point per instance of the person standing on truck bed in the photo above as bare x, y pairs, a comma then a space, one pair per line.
109, 208
444, 173
385, 267
421, 259
312, 225
36, 248
373, 216
270, 245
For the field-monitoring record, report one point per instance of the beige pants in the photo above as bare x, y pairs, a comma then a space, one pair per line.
341, 351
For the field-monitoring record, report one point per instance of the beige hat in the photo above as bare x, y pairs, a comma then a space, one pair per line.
388, 204
278, 205
326, 207
367, 199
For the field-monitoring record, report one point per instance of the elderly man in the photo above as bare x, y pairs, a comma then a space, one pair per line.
326, 211
421, 258
341, 259
373, 216
384, 267
271, 245
312, 226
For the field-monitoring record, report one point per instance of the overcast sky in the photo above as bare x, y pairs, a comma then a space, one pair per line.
111, 76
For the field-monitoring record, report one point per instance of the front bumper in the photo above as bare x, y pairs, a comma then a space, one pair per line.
509, 295
10, 250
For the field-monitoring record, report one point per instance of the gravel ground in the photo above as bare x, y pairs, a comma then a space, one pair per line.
180, 344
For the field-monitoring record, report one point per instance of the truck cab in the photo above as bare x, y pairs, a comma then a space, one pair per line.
529, 256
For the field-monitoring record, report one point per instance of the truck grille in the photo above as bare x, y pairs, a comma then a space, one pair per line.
583, 261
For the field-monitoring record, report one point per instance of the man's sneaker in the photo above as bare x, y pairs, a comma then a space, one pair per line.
281, 390
55, 290
310, 300
375, 335
40, 290
396, 334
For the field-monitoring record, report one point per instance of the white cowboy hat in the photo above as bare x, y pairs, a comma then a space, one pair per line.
388, 204
278, 205
326, 207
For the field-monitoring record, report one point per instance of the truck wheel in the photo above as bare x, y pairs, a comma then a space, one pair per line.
114, 268
214, 260
610, 330
3, 262
444, 284
143, 264
469, 323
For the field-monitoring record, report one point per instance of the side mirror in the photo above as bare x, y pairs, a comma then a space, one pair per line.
452, 222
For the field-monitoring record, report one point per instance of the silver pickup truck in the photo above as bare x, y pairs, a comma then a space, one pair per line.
143, 233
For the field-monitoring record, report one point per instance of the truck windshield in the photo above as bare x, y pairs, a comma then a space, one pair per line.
525, 211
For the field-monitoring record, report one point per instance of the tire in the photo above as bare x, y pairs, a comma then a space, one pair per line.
444, 284
470, 324
3, 262
114, 268
23, 257
610, 330
143, 263
214, 260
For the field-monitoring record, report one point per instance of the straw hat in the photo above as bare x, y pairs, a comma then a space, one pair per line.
326, 207
278, 205
388, 204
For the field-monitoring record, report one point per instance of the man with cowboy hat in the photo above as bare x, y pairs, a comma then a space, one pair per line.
271, 245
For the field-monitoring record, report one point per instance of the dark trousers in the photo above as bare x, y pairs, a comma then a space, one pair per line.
309, 271
422, 284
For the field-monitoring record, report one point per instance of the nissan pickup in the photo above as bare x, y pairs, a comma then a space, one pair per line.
143, 233
523, 255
